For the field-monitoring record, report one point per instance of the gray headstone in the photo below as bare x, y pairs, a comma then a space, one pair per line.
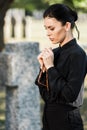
18, 69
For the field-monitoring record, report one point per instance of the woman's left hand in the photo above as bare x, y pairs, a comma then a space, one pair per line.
48, 57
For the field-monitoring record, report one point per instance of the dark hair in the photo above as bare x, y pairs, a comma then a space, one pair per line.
62, 13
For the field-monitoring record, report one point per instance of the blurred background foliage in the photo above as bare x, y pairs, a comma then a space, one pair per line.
79, 5
30, 5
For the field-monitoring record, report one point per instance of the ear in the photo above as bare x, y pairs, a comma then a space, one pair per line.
67, 26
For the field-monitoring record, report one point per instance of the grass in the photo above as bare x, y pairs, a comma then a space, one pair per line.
2, 109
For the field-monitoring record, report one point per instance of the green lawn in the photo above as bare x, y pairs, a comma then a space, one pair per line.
2, 109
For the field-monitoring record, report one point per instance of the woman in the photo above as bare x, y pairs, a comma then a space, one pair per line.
62, 71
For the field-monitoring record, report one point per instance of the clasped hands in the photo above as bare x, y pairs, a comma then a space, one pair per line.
46, 59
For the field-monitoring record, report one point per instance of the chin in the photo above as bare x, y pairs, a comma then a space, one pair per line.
54, 42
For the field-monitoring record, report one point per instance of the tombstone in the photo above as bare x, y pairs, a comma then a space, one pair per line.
19, 15
28, 30
14, 23
7, 28
18, 70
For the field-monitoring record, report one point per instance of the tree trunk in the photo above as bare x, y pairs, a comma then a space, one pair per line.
4, 5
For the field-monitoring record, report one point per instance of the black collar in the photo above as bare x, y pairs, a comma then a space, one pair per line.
69, 44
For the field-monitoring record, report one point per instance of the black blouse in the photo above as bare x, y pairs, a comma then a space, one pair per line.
67, 75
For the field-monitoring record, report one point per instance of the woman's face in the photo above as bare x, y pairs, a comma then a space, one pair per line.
55, 30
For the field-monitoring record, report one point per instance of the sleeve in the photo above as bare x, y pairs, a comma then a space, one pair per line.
43, 90
67, 90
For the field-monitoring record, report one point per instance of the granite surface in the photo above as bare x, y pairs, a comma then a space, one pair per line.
19, 68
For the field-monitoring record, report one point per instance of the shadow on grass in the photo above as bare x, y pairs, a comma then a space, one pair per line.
2, 124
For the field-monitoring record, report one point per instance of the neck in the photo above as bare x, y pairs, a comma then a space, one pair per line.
66, 40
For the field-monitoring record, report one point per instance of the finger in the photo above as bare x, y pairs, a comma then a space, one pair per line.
49, 50
40, 59
39, 56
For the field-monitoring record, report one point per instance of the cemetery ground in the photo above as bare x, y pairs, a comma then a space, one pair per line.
38, 34
2, 109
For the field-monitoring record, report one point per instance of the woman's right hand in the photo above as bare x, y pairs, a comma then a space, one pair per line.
40, 59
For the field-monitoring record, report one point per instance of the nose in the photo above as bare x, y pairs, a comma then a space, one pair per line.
48, 33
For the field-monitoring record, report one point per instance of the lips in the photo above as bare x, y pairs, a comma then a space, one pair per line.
51, 39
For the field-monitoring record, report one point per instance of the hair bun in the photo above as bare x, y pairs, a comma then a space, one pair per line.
74, 14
